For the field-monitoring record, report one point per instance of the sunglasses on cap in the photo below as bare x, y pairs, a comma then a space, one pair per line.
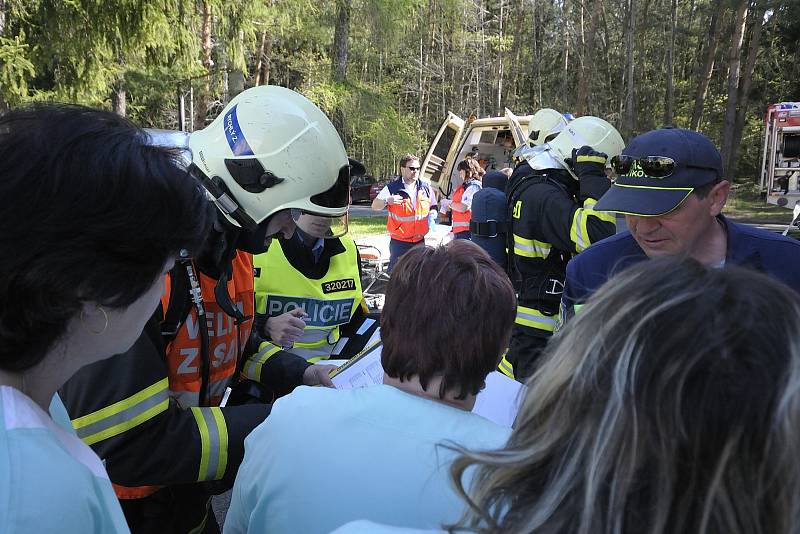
652, 166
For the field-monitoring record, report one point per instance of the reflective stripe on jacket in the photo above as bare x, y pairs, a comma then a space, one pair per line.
405, 221
329, 301
552, 220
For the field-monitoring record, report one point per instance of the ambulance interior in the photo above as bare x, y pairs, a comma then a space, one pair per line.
492, 146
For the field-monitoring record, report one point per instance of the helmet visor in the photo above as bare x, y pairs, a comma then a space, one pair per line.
337, 196
320, 226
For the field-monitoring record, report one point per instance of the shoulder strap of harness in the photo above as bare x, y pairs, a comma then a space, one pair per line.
179, 302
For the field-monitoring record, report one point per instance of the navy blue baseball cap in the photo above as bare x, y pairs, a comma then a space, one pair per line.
695, 163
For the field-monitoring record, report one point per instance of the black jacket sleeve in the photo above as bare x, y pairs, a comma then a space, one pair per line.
548, 213
121, 407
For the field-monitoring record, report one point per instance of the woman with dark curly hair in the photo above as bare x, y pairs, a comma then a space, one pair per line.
93, 218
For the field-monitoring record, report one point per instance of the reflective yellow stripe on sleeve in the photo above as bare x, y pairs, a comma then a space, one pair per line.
578, 232
123, 415
592, 159
213, 443
530, 248
535, 319
506, 367
252, 367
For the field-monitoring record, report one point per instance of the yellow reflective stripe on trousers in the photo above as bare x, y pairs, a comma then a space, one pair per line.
506, 367
578, 232
123, 415
535, 319
213, 443
252, 367
530, 248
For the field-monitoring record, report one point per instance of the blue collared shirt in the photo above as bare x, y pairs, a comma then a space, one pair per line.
770, 253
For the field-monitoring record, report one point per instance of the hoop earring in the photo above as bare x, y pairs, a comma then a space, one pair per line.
105, 324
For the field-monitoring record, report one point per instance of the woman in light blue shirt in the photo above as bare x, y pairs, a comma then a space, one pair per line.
325, 457
93, 218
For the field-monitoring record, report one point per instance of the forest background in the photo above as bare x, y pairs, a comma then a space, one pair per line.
388, 71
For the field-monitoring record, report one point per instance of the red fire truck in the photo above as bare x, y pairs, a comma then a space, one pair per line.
780, 161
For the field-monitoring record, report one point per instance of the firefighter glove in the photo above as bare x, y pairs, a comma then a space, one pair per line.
587, 161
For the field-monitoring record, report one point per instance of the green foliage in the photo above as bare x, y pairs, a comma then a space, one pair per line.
15, 68
409, 61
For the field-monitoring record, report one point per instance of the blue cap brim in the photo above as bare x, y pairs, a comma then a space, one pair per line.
642, 201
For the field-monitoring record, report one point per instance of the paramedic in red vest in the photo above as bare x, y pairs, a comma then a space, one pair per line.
155, 413
471, 174
410, 202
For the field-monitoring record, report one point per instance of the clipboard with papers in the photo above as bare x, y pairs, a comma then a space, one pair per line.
499, 401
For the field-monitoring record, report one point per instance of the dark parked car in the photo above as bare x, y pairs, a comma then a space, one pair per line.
365, 188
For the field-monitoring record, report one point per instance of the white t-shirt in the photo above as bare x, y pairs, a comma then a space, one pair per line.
472, 188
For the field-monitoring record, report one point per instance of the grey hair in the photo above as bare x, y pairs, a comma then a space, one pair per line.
669, 404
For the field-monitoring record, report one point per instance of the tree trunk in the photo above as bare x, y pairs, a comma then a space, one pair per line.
587, 71
516, 48
204, 92
565, 72
704, 74
744, 87
341, 40
669, 109
119, 98
267, 61
3, 7
734, 73
500, 63
262, 43
629, 109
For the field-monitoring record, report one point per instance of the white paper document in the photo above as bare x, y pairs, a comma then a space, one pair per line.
361, 371
499, 401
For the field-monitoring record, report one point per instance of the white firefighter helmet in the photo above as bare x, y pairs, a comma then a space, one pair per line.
591, 131
544, 126
272, 149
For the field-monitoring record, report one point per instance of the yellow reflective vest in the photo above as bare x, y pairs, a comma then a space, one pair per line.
329, 302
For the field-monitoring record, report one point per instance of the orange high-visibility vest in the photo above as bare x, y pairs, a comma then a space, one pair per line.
405, 222
461, 218
183, 353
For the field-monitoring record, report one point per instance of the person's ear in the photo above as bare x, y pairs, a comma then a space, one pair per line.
718, 196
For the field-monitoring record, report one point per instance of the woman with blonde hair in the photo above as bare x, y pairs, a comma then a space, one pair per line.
669, 404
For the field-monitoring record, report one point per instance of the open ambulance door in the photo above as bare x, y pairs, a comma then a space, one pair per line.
439, 160
520, 137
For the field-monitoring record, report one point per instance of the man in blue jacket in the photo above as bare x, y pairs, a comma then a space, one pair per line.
671, 190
